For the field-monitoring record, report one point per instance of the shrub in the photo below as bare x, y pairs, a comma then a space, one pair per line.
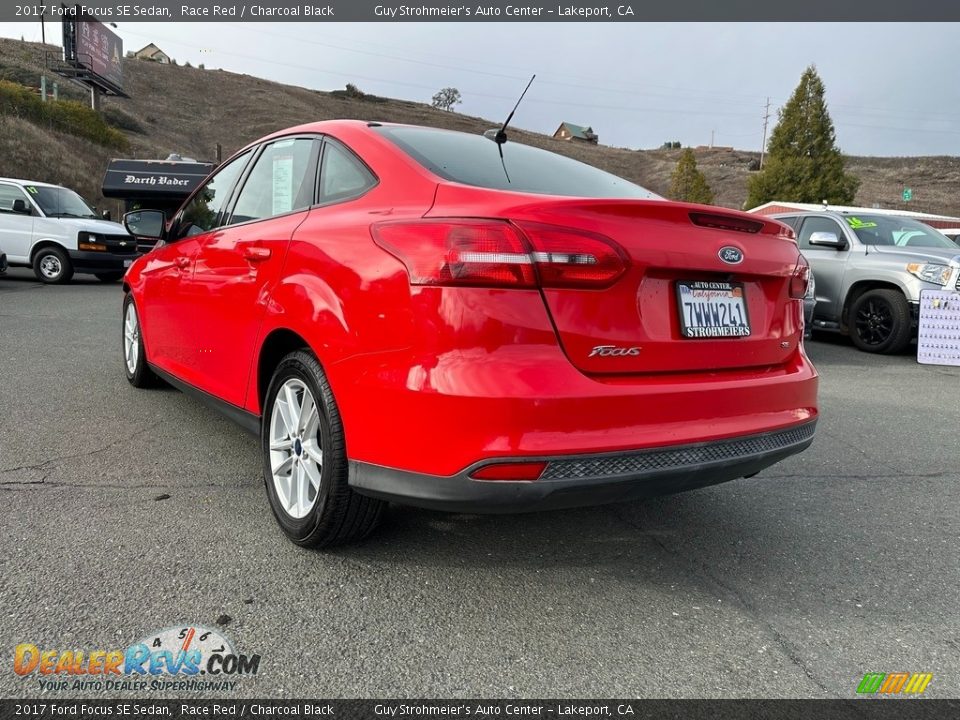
68, 116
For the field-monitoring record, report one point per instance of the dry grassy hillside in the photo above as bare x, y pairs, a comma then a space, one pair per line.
188, 110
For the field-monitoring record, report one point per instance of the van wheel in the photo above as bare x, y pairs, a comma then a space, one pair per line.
880, 322
52, 265
305, 459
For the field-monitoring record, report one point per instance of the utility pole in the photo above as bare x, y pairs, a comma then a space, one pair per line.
763, 145
711, 139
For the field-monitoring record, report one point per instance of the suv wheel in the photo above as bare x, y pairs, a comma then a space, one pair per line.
305, 459
52, 265
880, 322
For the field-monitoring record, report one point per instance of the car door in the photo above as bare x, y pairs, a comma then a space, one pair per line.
16, 228
238, 265
828, 264
165, 307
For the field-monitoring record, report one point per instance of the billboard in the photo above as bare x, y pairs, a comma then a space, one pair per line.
89, 44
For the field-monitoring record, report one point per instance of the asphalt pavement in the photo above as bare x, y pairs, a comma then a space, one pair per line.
126, 511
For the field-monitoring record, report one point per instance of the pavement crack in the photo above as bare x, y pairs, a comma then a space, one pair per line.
696, 569
53, 462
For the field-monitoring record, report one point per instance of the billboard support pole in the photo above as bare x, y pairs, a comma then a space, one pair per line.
95, 98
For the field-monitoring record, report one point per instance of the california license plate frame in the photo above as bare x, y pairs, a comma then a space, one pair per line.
721, 311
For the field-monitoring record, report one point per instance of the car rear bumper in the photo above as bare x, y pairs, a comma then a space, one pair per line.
581, 480
101, 262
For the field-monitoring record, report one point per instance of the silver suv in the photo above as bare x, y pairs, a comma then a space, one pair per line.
870, 270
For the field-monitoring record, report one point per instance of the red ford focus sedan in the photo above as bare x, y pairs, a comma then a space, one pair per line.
444, 320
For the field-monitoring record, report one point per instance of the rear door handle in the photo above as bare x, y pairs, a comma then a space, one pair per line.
256, 253
182, 262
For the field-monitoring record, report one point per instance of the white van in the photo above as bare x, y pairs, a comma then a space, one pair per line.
53, 230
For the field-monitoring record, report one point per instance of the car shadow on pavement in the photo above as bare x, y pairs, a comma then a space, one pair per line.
665, 538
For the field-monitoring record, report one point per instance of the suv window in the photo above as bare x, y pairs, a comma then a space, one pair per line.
342, 176
893, 230
9, 193
791, 220
477, 160
281, 181
203, 213
817, 224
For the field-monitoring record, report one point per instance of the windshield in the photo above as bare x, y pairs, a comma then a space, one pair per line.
60, 202
475, 160
896, 232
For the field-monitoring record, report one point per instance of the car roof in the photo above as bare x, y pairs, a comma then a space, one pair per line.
18, 181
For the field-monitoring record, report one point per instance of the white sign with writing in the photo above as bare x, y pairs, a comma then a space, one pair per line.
938, 336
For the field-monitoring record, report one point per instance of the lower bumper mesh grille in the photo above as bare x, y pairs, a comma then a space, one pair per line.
678, 458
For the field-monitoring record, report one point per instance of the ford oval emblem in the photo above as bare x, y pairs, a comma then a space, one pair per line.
731, 255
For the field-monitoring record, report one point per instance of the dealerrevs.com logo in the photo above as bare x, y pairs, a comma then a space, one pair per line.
173, 659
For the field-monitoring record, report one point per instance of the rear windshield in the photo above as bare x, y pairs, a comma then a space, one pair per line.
475, 160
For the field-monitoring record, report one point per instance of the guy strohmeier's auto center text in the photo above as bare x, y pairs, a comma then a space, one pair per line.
286, 10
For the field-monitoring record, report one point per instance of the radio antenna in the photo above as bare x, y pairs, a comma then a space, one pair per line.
500, 136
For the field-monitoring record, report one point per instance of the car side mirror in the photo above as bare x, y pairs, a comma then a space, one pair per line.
828, 239
20, 206
105, 214
147, 224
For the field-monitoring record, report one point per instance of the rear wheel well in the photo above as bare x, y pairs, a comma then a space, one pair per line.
858, 289
277, 346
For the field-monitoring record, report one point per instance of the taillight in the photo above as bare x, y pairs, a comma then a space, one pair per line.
573, 258
800, 278
496, 253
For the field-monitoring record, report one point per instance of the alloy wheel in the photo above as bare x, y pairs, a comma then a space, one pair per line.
874, 322
296, 454
131, 339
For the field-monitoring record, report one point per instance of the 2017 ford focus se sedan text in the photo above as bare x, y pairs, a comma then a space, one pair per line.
444, 320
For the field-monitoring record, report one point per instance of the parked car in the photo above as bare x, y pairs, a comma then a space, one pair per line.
52, 229
870, 270
443, 320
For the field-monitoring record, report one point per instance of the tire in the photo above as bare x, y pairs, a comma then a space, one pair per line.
52, 265
135, 365
880, 322
109, 277
315, 456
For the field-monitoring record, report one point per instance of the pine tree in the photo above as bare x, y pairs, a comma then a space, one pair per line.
804, 163
687, 182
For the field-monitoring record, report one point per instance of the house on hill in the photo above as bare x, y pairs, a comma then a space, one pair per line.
570, 132
152, 52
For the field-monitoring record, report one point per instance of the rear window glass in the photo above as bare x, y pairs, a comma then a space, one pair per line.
475, 160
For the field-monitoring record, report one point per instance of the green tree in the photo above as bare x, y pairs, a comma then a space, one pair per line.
803, 162
687, 182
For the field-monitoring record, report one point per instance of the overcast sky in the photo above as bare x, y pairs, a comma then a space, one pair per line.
892, 88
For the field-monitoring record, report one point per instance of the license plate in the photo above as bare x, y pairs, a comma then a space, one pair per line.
711, 309
127, 263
